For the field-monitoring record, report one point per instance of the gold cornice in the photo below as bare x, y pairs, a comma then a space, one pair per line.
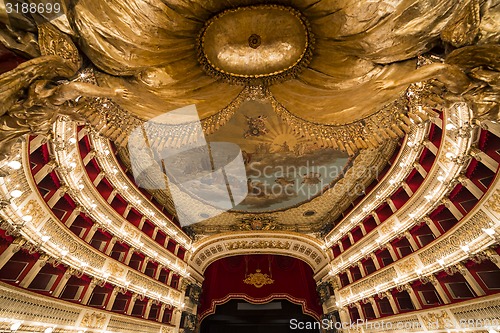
303, 247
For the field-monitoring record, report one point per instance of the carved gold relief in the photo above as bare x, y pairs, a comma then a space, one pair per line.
494, 202
94, 320
437, 320
408, 266
258, 279
238, 245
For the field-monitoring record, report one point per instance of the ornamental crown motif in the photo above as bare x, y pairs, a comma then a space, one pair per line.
258, 279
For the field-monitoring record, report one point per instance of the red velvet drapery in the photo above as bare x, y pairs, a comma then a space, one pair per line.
293, 280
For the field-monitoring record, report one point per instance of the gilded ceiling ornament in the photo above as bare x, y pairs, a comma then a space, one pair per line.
258, 279
244, 45
257, 223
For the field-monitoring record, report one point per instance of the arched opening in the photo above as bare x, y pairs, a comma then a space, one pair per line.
259, 293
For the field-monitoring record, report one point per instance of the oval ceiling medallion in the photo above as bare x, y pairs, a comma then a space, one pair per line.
256, 44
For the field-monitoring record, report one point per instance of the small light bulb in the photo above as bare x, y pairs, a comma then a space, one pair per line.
16, 193
489, 231
16, 165
15, 326
27, 218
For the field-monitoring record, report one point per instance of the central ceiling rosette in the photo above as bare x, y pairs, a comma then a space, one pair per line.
256, 44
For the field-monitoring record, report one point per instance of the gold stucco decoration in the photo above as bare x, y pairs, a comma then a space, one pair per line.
258, 279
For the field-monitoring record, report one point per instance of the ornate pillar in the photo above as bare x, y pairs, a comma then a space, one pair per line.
374, 306
74, 214
430, 223
161, 313
392, 302
176, 250
62, 283
420, 169
57, 195
482, 157
351, 239
389, 247
110, 246
88, 292
407, 189
344, 315
391, 204
349, 275
141, 223
375, 217
413, 296
341, 246
431, 146
176, 318
144, 264
454, 210
10, 251
170, 276
470, 186
99, 177
148, 308
112, 298
88, 157
470, 279
361, 269
91, 233
411, 240
131, 304
34, 271
360, 310
112, 195
158, 271
129, 256
362, 228
44, 171
375, 260
439, 289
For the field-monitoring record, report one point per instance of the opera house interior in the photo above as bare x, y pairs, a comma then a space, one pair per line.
263, 166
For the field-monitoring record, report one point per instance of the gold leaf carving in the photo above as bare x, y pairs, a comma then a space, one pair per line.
258, 279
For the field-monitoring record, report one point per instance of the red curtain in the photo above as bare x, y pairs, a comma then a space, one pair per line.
293, 280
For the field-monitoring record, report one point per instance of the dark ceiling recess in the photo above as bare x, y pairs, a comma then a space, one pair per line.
279, 316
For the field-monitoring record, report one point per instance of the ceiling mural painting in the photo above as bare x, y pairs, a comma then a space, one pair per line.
313, 93
283, 169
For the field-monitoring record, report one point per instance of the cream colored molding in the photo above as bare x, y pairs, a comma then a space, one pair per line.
439, 182
305, 248
128, 190
80, 187
35, 313
48, 235
477, 315
464, 240
402, 166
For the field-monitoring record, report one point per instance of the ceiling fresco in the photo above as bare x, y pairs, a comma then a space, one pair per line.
283, 169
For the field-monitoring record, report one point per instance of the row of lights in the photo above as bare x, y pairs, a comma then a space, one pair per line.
83, 265
100, 145
419, 271
442, 178
368, 207
87, 202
